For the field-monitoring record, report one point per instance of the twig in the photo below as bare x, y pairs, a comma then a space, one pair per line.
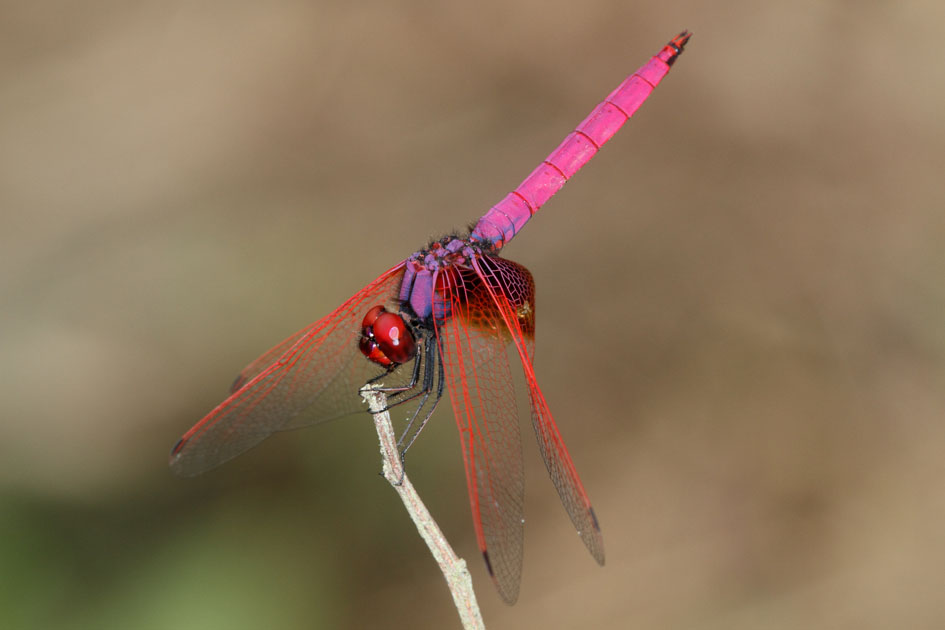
454, 568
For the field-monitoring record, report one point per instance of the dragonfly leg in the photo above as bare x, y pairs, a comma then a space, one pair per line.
386, 372
439, 394
425, 389
397, 391
431, 359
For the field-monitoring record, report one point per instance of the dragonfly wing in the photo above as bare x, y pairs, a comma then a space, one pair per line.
312, 376
262, 362
512, 289
473, 350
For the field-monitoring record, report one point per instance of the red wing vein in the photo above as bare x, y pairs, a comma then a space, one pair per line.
479, 381
315, 377
512, 290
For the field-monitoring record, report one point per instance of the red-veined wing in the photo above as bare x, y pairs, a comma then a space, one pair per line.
473, 347
312, 376
512, 289
260, 363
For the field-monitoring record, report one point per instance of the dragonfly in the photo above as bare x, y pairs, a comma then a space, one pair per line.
449, 315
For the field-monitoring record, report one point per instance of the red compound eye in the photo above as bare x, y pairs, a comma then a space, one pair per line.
385, 339
394, 338
370, 317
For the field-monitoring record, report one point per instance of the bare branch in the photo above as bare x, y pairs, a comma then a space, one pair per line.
454, 568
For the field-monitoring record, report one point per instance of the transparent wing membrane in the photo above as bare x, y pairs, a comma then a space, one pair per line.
511, 288
472, 346
311, 377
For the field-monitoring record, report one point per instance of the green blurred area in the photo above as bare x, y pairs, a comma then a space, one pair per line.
741, 314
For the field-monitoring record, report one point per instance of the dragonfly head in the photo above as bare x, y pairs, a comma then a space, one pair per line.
385, 338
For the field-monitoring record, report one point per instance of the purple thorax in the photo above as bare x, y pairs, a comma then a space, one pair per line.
421, 270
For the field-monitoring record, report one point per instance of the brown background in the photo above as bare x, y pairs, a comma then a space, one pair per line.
741, 311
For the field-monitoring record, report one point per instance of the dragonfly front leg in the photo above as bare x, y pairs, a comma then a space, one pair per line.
433, 357
429, 361
398, 390
430, 358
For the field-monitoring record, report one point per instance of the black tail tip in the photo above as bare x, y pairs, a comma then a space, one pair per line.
677, 45
679, 42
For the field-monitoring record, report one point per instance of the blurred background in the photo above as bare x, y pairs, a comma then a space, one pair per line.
741, 313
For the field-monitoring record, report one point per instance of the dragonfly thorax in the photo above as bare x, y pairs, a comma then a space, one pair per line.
417, 290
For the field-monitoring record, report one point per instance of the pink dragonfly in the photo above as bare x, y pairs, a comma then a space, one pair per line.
451, 309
